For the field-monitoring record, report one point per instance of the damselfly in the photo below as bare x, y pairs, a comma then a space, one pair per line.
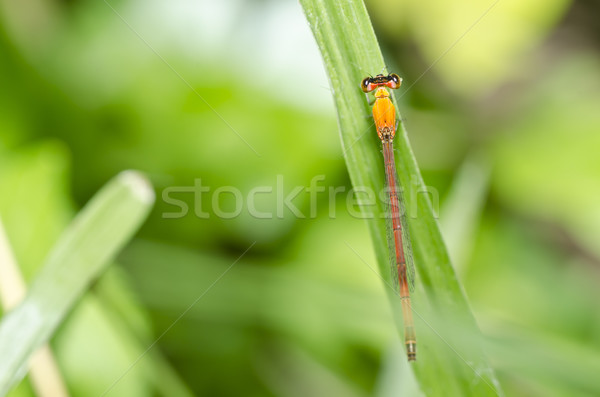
384, 114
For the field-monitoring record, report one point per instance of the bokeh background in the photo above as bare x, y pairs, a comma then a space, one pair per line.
502, 105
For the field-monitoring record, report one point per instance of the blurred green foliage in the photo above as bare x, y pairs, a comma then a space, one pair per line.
86, 92
82, 253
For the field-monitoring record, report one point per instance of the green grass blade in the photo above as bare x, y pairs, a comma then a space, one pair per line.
88, 245
450, 360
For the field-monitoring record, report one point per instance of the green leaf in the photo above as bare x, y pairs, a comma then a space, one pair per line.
87, 246
450, 358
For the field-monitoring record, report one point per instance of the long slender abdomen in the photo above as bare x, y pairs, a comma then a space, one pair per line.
390, 174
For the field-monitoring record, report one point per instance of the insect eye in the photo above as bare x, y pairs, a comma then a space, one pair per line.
395, 81
365, 85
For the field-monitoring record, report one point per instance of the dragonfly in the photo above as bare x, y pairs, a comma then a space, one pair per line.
384, 115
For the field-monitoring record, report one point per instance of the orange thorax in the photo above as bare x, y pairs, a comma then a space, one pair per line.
384, 114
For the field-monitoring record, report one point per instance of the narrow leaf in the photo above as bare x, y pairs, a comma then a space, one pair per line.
88, 245
450, 360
